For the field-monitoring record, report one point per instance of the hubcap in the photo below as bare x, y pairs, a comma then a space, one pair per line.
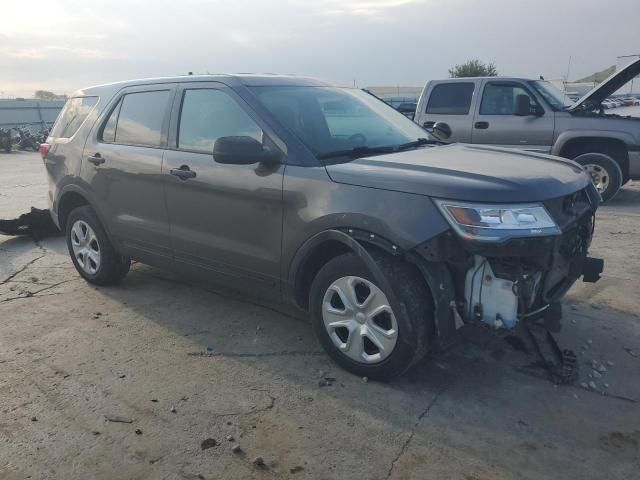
359, 319
85, 247
599, 176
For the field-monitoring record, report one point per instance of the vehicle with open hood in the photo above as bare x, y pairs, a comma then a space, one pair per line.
324, 197
533, 115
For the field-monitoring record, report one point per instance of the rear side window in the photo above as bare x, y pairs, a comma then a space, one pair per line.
451, 99
137, 119
75, 112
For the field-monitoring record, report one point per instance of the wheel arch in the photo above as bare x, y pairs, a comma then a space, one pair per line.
326, 245
74, 196
613, 144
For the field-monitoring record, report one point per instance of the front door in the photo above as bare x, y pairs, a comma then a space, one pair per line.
226, 220
496, 122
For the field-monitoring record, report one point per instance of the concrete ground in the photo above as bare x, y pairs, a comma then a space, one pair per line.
72, 355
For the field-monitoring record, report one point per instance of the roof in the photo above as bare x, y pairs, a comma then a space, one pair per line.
248, 79
504, 79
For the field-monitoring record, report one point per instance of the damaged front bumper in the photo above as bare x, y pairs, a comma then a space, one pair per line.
500, 284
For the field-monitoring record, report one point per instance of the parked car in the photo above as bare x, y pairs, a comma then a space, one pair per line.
408, 109
324, 197
608, 104
532, 115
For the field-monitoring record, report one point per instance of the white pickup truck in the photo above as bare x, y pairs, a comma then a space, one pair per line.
533, 115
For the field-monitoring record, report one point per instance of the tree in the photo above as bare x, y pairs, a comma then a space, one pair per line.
473, 68
47, 95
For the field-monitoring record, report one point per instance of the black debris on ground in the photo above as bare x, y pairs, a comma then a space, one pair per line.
208, 443
37, 223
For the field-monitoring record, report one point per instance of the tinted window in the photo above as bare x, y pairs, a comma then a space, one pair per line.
207, 115
138, 119
451, 99
500, 98
109, 130
72, 115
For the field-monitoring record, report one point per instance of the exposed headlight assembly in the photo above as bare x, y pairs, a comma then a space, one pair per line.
497, 222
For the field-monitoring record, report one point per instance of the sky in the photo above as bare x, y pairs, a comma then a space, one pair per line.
63, 45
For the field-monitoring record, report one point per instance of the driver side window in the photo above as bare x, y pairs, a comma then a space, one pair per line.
500, 98
208, 114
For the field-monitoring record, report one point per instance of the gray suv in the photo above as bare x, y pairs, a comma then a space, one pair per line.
323, 197
533, 115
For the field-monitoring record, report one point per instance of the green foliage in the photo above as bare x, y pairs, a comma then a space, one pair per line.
473, 68
47, 95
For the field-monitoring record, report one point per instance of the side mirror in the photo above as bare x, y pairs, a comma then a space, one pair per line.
523, 106
243, 151
442, 130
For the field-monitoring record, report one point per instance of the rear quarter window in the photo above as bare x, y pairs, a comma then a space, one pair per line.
451, 98
70, 118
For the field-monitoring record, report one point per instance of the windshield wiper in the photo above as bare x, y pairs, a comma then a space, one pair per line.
355, 152
417, 143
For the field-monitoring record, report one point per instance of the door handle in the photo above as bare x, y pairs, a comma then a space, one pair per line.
428, 124
481, 125
183, 172
96, 159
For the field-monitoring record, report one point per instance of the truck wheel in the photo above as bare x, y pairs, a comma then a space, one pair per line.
91, 251
360, 327
605, 173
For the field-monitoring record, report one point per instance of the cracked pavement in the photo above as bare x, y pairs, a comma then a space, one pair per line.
187, 362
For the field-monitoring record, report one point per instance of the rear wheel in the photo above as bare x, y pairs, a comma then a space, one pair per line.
91, 251
358, 323
604, 171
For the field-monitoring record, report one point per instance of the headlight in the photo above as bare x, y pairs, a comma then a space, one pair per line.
497, 222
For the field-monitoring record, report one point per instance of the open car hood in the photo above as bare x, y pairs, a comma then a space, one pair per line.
596, 95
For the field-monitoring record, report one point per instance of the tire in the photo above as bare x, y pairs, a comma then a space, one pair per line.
412, 311
101, 263
605, 173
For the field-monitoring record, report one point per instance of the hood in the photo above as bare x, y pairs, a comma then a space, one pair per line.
616, 81
466, 173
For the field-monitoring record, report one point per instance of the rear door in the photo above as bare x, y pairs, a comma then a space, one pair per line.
496, 122
123, 165
452, 103
226, 220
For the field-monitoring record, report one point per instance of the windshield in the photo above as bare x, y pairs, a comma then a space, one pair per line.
555, 98
331, 120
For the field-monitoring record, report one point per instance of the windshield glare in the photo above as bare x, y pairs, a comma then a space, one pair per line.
557, 99
330, 119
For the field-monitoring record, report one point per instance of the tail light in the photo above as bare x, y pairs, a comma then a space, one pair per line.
44, 150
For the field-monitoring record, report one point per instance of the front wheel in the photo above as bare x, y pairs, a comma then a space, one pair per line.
604, 171
91, 251
365, 329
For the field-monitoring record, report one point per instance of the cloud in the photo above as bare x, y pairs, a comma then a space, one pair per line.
364, 8
69, 44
